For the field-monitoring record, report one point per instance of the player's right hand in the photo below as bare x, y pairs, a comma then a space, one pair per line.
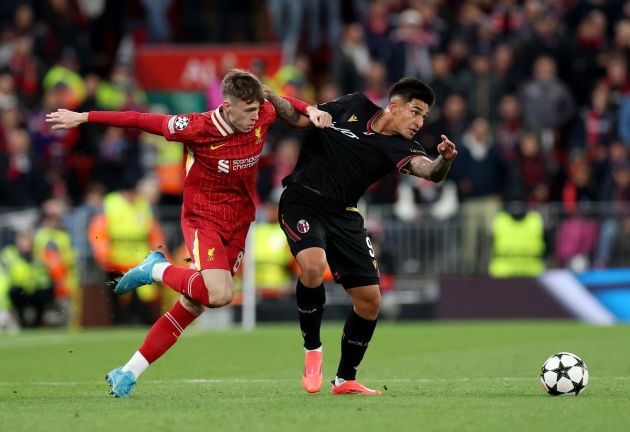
319, 118
66, 119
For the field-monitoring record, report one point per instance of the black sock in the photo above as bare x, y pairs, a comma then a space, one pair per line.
311, 303
357, 333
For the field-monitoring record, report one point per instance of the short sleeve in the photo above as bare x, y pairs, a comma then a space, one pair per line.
401, 154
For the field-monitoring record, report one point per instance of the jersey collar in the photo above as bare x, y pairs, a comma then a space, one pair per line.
220, 123
376, 115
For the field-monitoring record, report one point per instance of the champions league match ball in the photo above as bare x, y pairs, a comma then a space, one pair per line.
564, 374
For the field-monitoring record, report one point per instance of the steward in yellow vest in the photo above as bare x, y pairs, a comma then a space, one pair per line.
29, 282
273, 260
121, 238
518, 244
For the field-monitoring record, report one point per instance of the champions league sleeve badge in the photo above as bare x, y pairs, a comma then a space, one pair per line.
181, 122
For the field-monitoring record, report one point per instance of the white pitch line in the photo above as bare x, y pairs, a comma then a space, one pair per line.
275, 381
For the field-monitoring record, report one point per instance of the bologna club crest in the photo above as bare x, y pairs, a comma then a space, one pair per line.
303, 226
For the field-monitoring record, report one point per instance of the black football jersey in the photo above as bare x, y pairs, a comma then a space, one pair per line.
344, 160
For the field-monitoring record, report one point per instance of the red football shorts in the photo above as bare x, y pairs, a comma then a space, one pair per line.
210, 249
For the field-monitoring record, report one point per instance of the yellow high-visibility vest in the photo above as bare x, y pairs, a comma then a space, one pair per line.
518, 246
5, 286
128, 227
30, 276
272, 256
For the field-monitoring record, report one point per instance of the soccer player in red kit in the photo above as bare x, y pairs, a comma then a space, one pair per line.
222, 148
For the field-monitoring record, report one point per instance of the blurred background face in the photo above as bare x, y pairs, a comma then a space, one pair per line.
530, 145
24, 241
454, 107
509, 108
621, 176
503, 58
545, 69
617, 70
441, 65
600, 98
19, 142
480, 129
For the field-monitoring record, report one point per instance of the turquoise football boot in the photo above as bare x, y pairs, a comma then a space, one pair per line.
140, 274
121, 383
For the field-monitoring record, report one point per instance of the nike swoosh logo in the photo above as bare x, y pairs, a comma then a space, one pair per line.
214, 147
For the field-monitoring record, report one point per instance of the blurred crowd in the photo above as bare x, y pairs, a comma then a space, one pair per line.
535, 93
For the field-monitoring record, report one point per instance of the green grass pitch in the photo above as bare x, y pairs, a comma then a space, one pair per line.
435, 376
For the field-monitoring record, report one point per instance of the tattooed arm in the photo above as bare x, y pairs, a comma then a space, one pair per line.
290, 110
434, 170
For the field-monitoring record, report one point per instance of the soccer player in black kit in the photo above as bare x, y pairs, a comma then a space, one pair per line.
318, 213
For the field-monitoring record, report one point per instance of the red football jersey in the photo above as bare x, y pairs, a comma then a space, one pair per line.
219, 167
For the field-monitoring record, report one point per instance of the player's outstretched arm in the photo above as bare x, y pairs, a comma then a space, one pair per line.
435, 170
290, 110
65, 119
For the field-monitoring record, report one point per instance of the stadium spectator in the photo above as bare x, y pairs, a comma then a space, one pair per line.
22, 179
121, 236
223, 147
53, 247
452, 122
121, 92
593, 131
26, 69
276, 166
377, 28
529, 174
576, 236
623, 120
480, 174
584, 55
409, 50
157, 20
351, 59
547, 101
286, 19
274, 262
509, 127
616, 193
31, 288
518, 242
7, 321
443, 82
323, 15
376, 85
617, 79
78, 223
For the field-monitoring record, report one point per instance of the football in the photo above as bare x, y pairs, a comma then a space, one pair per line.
564, 374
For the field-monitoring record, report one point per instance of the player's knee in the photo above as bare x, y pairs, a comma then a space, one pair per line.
312, 272
219, 295
368, 308
222, 299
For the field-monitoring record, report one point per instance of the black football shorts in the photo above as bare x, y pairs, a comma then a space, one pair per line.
309, 219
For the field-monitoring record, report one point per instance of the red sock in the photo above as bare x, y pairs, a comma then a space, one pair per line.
188, 282
165, 332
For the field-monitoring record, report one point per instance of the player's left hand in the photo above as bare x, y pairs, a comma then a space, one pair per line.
447, 148
319, 118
